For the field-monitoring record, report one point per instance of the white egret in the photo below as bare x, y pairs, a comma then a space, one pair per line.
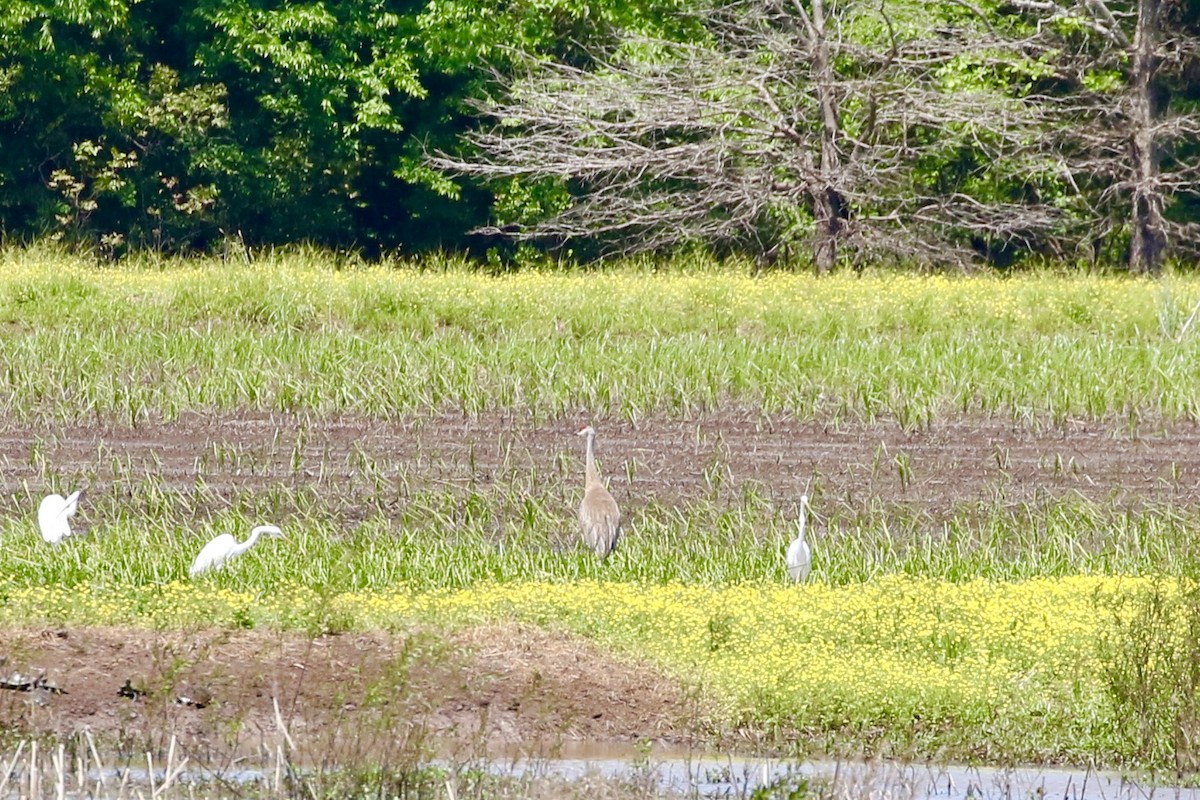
54, 515
799, 555
224, 547
598, 513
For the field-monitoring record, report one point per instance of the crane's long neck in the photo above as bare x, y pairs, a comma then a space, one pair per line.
246, 545
592, 475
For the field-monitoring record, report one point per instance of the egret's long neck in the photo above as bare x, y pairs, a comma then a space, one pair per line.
803, 518
246, 545
592, 475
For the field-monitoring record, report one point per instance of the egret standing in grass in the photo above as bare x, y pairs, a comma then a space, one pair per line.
224, 547
799, 555
598, 513
54, 515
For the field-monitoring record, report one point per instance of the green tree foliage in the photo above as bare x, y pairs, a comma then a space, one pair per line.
316, 95
174, 124
55, 61
179, 124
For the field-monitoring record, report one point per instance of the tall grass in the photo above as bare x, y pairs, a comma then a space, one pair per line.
447, 539
310, 335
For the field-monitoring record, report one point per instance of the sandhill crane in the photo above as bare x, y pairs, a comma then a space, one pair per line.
598, 513
54, 515
224, 547
799, 555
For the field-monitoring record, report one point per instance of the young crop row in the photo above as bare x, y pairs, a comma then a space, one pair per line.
300, 334
1028, 670
444, 540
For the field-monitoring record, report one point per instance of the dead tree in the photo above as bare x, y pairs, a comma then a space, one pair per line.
797, 124
828, 207
1149, 240
1131, 145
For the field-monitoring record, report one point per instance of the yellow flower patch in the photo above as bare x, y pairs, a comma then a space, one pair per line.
891, 648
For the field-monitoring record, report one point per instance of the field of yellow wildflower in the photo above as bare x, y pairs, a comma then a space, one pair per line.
991, 670
1001, 472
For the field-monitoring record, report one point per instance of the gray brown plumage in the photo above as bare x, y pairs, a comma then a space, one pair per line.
599, 516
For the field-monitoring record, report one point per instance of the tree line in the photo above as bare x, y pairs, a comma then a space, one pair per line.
823, 132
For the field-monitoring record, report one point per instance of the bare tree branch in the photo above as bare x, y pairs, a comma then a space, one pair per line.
1125, 137
785, 133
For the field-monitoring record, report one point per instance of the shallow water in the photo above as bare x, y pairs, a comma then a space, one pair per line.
682, 772
731, 776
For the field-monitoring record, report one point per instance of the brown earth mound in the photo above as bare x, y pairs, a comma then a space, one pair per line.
217, 692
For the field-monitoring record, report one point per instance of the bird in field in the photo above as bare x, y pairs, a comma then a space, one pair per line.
194, 696
599, 516
224, 547
54, 515
799, 555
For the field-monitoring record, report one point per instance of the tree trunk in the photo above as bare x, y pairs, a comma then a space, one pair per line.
1149, 240
828, 208
829, 213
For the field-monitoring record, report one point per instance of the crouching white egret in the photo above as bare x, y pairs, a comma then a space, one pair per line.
799, 555
54, 515
224, 547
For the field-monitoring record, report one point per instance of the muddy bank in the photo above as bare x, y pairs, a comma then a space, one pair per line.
217, 692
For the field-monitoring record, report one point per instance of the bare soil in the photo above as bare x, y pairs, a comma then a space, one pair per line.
495, 683
217, 692
657, 460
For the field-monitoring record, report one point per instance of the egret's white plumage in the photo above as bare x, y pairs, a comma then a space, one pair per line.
599, 516
799, 555
224, 547
54, 515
